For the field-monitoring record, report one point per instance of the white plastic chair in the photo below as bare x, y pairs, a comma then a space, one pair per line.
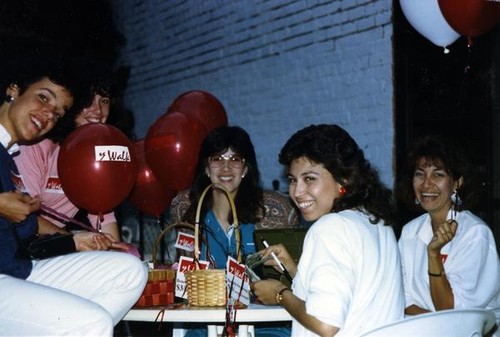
446, 323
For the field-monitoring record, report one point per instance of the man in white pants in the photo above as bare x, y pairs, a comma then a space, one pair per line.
78, 294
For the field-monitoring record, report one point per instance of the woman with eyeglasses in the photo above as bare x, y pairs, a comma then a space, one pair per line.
227, 158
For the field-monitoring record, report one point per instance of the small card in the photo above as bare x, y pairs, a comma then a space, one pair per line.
251, 274
185, 241
237, 282
185, 264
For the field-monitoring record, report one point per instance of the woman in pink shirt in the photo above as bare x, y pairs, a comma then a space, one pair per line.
37, 162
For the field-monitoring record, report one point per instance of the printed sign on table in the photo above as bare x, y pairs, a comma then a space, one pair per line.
185, 241
238, 285
185, 264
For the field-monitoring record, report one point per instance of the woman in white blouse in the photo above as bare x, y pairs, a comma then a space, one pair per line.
449, 256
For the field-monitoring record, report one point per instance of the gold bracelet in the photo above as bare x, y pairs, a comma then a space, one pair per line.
279, 295
435, 275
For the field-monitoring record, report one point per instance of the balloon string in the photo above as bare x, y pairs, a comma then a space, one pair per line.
463, 90
100, 218
64, 219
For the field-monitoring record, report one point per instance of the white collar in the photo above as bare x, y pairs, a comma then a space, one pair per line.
5, 139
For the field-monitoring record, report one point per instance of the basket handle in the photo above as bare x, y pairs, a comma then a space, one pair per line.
162, 234
235, 219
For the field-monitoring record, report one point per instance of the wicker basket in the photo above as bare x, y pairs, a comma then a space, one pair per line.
207, 288
160, 288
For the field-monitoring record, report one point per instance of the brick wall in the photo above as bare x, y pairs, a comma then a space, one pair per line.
277, 66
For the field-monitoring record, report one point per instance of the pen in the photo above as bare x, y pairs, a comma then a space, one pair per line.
280, 264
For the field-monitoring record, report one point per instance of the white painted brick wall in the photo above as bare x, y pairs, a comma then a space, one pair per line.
277, 66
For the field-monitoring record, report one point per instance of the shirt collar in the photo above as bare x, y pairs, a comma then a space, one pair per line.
5, 139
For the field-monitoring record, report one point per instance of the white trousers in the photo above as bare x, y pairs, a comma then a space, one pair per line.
81, 294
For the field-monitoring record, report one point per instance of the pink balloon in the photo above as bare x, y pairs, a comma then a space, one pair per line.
97, 167
171, 148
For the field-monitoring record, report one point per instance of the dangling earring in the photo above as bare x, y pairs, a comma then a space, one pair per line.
342, 191
417, 202
455, 199
9, 98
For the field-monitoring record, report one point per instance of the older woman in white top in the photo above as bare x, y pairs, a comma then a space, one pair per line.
449, 256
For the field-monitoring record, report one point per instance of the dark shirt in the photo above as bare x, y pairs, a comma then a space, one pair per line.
10, 262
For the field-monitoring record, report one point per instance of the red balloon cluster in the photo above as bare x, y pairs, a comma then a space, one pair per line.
97, 167
443, 21
173, 141
148, 195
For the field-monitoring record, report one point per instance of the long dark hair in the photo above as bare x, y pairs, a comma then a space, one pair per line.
249, 198
333, 147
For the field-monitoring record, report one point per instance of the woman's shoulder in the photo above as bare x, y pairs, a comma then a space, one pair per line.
179, 205
44, 148
416, 223
41, 156
279, 211
276, 198
346, 219
469, 221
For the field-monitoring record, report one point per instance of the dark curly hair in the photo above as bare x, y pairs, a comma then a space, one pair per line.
249, 198
442, 152
333, 147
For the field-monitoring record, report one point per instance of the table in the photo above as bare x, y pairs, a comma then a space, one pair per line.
183, 313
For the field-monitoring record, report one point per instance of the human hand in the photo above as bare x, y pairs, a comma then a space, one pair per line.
85, 241
283, 255
266, 290
444, 234
16, 206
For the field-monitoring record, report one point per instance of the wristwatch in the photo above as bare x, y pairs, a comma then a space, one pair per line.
279, 295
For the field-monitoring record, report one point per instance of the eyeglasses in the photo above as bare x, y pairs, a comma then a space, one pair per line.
233, 160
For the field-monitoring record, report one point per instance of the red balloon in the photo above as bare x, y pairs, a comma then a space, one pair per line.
201, 105
97, 167
471, 18
148, 194
171, 148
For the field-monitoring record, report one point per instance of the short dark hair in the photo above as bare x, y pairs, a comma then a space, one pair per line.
58, 69
441, 151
